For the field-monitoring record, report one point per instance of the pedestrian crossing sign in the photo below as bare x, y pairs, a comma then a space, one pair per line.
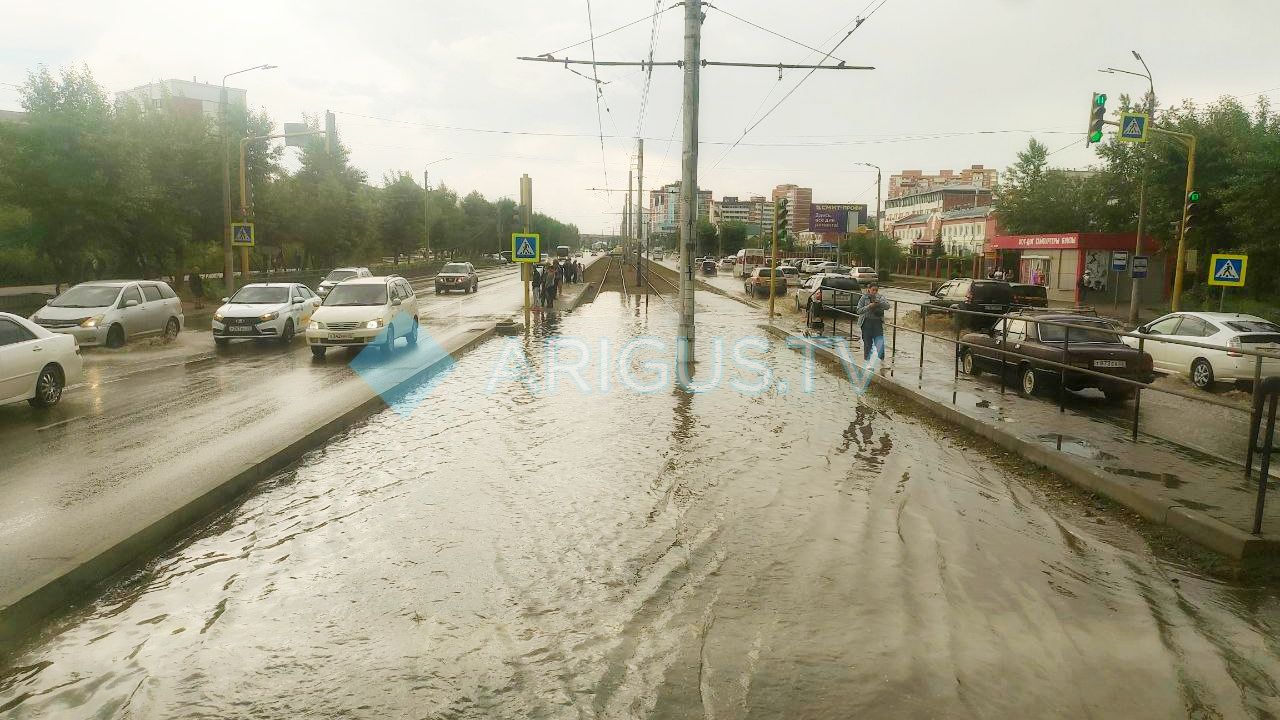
526, 247
1227, 270
1133, 127
242, 234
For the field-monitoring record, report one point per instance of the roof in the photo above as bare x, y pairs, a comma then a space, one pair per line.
917, 219
268, 284
1223, 315
981, 211
375, 280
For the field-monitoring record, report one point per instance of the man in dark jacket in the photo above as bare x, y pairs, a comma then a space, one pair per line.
871, 309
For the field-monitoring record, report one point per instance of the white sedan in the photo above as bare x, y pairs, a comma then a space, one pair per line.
1230, 332
265, 311
35, 364
864, 274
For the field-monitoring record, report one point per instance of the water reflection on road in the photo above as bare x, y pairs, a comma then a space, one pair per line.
505, 553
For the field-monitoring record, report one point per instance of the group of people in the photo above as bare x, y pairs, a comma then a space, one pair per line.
549, 277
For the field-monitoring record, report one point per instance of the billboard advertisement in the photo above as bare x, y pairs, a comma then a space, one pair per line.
836, 217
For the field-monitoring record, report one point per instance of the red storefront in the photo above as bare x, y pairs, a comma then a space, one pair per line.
1059, 261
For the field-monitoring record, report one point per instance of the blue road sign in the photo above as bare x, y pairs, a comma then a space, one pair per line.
1139, 266
1227, 270
525, 247
1133, 127
1119, 260
242, 234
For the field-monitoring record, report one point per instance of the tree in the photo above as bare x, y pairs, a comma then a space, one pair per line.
706, 237
733, 237
400, 220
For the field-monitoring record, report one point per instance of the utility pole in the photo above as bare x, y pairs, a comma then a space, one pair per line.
689, 187
426, 212
644, 244
526, 209
877, 263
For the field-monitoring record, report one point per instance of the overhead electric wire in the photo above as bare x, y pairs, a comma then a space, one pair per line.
857, 23
604, 163
648, 72
621, 27
771, 32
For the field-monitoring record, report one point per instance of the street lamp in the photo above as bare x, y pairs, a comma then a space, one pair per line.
426, 203
877, 167
1135, 284
228, 268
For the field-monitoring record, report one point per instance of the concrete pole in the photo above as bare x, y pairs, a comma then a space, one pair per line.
1135, 284
426, 211
877, 221
640, 238
628, 218
526, 208
689, 187
228, 263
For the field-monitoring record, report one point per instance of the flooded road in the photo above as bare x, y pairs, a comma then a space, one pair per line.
509, 550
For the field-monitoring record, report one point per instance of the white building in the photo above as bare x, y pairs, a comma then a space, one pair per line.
184, 96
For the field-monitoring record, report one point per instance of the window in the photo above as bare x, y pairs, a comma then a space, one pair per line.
1165, 326
11, 332
166, 291
1017, 330
297, 293
1195, 327
152, 292
130, 293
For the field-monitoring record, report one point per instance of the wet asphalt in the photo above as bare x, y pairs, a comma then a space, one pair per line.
505, 550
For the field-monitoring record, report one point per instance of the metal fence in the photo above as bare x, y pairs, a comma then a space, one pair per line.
1010, 358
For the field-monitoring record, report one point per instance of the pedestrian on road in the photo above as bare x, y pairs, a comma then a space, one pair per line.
871, 309
550, 287
539, 278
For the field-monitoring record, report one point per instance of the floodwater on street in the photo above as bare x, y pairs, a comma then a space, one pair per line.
507, 551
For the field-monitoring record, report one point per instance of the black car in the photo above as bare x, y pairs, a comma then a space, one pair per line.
457, 276
1030, 295
1026, 344
708, 267
983, 296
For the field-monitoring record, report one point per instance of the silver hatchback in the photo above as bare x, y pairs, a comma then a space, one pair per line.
111, 312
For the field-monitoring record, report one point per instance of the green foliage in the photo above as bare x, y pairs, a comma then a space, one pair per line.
92, 189
733, 237
707, 237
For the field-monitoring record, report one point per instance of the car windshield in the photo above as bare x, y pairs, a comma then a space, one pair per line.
260, 294
340, 275
1252, 326
840, 283
788, 270
87, 296
357, 294
455, 268
1055, 333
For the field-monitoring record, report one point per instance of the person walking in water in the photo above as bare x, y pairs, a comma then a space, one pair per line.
871, 309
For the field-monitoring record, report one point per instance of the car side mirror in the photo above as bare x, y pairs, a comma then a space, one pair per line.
298, 301
395, 301
226, 300
48, 301
130, 303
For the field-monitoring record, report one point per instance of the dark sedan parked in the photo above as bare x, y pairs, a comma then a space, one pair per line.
1096, 348
983, 296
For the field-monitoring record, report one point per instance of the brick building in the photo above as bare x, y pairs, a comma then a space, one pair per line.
910, 182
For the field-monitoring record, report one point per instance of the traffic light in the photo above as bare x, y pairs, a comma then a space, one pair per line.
780, 212
1193, 198
1097, 118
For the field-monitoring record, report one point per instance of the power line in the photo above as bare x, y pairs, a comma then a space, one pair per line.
621, 27
857, 23
604, 165
771, 32
648, 76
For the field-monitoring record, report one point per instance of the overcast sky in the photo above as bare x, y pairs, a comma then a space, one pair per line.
943, 67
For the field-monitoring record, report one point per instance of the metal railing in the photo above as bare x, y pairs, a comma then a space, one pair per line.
1010, 358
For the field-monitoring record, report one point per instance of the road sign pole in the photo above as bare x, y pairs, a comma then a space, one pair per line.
1182, 234
1222, 298
526, 206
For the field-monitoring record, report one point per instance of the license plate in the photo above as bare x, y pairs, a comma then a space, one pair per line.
241, 329
339, 336
1109, 363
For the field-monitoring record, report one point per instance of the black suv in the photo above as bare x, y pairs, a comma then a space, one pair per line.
985, 296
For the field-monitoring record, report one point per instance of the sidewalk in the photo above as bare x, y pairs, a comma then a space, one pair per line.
1203, 497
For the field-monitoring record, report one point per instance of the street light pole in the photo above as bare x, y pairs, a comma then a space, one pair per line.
228, 264
877, 235
1135, 284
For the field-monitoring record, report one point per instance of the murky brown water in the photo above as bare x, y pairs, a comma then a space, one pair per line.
623, 554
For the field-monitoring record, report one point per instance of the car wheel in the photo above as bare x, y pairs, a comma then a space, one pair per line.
475, 286
115, 337
317, 351
49, 387
220, 342
286, 335
1030, 382
389, 344
466, 290
969, 363
171, 329
1202, 374
412, 337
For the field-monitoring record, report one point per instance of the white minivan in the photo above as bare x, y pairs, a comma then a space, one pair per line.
111, 312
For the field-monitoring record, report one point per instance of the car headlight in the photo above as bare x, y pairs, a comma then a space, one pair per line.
218, 316
91, 322
374, 324
268, 317
315, 325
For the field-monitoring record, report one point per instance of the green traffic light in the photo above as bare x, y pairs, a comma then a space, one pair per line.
1100, 99
1193, 196
1095, 136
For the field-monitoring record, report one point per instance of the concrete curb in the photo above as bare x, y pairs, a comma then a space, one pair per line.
1200, 528
60, 592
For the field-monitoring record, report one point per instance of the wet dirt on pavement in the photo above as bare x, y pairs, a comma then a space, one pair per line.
502, 552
